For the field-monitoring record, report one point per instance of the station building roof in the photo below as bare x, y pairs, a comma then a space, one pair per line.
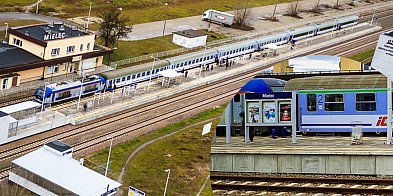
2, 114
337, 82
65, 172
39, 32
263, 85
12, 56
19, 107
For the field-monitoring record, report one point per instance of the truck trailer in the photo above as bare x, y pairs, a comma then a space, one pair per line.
222, 18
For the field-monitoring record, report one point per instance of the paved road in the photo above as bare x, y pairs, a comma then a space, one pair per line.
155, 29
25, 16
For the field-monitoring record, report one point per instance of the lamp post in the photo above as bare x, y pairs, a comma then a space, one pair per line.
109, 155
36, 9
151, 72
88, 19
166, 11
80, 90
167, 179
43, 99
6, 31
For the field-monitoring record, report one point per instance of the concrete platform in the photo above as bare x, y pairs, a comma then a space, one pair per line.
311, 155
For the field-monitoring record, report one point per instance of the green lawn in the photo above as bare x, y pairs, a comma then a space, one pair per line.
150, 10
364, 56
188, 160
15, 23
10, 3
129, 49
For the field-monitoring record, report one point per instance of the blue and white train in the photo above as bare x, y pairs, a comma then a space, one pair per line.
337, 103
136, 74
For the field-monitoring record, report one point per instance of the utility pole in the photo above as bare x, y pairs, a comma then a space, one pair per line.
297, 2
36, 10
166, 12
274, 12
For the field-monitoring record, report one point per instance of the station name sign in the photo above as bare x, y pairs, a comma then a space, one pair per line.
383, 56
54, 36
277, 95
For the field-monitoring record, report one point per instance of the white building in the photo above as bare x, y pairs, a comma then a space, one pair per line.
189, 38
51, 170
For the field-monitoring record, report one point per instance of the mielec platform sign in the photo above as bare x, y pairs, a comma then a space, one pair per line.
135, 192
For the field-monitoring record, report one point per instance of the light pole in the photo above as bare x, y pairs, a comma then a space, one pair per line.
167, 179
151, 72
43, 98
6, 31
36, 10
88, 19
109, 155
80, 91
166, 11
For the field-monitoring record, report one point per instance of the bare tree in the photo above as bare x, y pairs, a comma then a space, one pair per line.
242, 14
114, 26
293, 10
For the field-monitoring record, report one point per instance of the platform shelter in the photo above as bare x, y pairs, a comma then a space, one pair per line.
18, 116
169, 77
51, 170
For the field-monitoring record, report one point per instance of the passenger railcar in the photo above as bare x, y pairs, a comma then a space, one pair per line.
337, 103
62, 91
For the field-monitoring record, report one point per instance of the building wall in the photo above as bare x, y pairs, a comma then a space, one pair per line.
349, 64
4, 122
189, 42
64, 43
9, 81
28, 46
31, 74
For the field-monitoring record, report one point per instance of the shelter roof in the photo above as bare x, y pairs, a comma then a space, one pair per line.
9, 53
337, 82
65, 172
170, 73
19, 107
263, 85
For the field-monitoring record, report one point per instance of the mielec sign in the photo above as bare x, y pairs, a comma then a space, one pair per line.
383, 56
54, 36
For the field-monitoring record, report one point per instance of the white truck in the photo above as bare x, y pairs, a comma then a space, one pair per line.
222, 18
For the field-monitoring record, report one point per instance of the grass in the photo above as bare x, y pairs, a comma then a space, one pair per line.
129, 49
150, 10
10, 3
190, 157
15, 23
207, 191
364, 56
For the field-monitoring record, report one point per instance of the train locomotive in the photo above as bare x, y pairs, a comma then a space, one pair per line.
111, 80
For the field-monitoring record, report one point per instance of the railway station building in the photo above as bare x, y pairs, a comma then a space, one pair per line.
51, 170
46, 50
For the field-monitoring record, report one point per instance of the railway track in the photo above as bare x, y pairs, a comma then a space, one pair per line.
8, 154
237, 184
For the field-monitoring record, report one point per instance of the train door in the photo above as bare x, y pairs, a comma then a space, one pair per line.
237, 107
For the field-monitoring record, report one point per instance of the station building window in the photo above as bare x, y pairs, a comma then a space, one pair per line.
17, 42
70, 49
334, 102
365, 102
88, 46
53, 69
81, 47
311, 102
55, 51
5, 83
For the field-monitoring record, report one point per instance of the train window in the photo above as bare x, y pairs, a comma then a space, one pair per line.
143, 74
204, 58
148, 73
334, 102
193, 61
123, 79
181, 64
157, 70
138, 75
311, 102
200, 59
128, 77
197, 60
185, 63
236, 98
133, 76
189, 62
117, 80
365, 102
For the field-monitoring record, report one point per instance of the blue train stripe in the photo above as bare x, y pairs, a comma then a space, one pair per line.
334, 125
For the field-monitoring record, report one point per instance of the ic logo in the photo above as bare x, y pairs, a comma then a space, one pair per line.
381, 121
390, 42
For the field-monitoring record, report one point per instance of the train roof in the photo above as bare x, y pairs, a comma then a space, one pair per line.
190, 56
237, 45
263, 85
118, 73
348, 18
68, 84
337, 82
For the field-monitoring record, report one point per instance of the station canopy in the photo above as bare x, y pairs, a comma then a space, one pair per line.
169, 73
19, 107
